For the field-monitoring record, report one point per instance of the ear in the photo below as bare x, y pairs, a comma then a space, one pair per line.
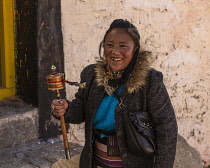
136, 48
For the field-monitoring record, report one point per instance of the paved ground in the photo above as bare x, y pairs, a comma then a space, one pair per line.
39, 154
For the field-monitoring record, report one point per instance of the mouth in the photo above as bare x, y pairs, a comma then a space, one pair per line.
116, 59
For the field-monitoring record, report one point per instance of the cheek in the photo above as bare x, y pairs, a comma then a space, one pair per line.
106, 51
128, 54
129, 58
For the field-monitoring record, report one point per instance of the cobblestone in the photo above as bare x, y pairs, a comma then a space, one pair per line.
38, 154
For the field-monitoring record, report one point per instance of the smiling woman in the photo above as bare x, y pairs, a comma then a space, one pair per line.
123, 78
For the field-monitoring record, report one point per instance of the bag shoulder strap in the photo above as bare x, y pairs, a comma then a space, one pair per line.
146, 92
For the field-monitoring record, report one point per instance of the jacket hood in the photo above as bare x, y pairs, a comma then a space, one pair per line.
136, 80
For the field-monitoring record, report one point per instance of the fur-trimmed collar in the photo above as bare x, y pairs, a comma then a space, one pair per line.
136, 80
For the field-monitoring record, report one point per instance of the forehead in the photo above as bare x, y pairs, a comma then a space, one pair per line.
118, 35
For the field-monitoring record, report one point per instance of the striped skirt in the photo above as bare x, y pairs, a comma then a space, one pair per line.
103, 160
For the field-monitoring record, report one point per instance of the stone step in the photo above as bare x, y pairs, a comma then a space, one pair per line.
18, 129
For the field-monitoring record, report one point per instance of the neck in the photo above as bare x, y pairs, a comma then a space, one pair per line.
118, 74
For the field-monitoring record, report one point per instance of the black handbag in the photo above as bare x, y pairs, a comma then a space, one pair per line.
139, 131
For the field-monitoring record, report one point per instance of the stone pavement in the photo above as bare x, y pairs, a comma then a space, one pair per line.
43, 154
37, 154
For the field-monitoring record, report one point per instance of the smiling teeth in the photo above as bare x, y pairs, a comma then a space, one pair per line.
116, 59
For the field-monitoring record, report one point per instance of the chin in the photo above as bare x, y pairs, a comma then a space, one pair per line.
116, 70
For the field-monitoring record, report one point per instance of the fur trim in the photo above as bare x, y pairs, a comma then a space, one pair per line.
136, 80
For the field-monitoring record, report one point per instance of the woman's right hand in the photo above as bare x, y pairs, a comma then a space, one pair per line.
59, 107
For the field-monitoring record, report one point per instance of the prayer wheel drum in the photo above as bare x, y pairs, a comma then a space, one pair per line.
55, 81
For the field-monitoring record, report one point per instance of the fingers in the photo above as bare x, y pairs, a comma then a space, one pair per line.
59, 107
58, 102
58, 113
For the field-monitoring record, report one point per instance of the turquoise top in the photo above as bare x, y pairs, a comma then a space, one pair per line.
105, 115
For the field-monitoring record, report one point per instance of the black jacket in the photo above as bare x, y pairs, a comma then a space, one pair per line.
144, 82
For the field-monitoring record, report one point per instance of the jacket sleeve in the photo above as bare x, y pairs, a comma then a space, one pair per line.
76, 110
164, 120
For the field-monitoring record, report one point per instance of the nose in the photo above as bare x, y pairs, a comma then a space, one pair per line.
115, 50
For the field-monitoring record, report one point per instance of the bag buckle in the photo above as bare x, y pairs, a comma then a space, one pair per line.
120, 103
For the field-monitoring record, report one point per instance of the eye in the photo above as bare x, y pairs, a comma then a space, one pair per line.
123, 46
109, 45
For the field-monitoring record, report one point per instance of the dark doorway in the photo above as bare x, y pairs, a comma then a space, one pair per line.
26, 50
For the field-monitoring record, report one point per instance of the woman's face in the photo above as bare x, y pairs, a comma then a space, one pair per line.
118, 49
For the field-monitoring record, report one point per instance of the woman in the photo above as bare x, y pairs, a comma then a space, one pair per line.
123, 72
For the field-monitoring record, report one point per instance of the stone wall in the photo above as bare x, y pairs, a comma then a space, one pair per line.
178, 34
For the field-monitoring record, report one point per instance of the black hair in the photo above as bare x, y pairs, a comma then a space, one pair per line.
129, 28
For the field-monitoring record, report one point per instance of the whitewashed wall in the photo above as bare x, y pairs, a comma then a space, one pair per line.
176, 31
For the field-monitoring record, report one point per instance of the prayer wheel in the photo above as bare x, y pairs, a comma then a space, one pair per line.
55, 81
